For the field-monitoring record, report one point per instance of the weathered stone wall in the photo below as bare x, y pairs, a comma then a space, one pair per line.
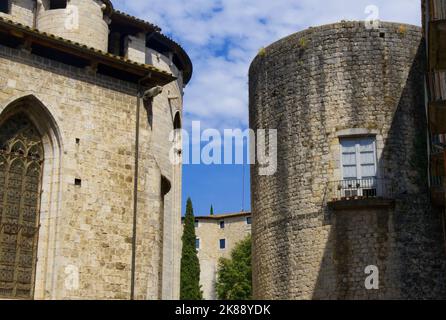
22, 11
82, 21
88, 125
167, 106
209, 232
136, 48
316, 86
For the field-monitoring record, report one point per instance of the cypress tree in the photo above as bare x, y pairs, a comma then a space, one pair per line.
190, 267
212, 210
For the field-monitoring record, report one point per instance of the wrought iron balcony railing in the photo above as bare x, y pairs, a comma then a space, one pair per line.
355, 189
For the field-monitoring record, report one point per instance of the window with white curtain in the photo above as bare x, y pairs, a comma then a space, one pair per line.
358, 158
359, 167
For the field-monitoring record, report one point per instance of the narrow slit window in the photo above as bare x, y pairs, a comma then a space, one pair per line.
222, 244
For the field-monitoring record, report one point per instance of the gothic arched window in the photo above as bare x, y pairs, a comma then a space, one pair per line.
21, 161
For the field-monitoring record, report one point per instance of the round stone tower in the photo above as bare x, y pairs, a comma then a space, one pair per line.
347, 214
82, 21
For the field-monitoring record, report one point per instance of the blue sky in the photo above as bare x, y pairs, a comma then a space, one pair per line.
222, 37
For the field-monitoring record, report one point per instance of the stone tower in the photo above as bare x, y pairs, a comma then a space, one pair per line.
90, 174
350, 198
82, 21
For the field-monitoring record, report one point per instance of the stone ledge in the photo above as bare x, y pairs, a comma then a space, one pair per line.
354, 204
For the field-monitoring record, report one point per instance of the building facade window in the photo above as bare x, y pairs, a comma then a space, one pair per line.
248, 220
222, 244
197, 223
58, 4
5, 6
358, 158
197, 243
222, 224
359, 166
21, 164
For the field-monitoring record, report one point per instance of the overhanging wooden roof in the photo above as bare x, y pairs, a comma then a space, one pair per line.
155, 32
94, 56
123, 17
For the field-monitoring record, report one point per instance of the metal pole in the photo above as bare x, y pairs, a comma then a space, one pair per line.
135, 195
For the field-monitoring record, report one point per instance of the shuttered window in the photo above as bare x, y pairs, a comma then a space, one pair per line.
358, 158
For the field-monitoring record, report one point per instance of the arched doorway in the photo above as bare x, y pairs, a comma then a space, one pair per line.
21, 166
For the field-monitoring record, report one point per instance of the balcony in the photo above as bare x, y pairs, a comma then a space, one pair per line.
437, 104
437, 86
438, 190
360, 194
437, 44
437, 10
438, 169
435, 26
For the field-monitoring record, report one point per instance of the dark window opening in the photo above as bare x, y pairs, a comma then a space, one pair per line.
118, 37
222, 243
177, 121
8, 41
59, 56
249, 220
5, 6
222, 224
77, 182
117, 44
58, 4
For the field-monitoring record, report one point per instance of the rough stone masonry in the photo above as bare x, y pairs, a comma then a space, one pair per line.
84, 109
319, 87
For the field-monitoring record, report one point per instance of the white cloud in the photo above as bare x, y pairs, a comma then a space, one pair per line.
218, 92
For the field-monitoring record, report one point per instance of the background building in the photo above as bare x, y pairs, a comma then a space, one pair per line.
434, 23
351, 190
78, 137
217, 235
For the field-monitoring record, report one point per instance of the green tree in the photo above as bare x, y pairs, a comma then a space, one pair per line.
212, 210
190, 266
234, 280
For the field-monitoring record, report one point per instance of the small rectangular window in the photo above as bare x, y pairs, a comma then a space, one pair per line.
222, 224
5, 6
196, 223
222, 243
197, 243
248, 220
58, 4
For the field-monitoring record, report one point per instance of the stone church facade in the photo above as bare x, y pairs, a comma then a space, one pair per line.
350, 197
90, 203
